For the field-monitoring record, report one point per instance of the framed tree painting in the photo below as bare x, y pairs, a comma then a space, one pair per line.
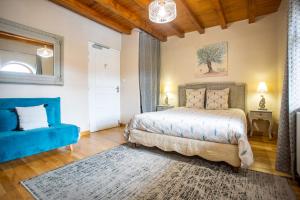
212, 60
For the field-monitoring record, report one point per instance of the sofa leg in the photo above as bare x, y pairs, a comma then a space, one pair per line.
70, 147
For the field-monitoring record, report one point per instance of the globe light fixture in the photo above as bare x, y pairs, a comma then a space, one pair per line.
162, 11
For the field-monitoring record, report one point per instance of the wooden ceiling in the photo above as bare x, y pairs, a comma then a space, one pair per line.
192, 15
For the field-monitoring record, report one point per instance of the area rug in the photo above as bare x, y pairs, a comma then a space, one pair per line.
147, 173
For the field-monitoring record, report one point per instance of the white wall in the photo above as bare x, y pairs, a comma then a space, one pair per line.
77, 31
253, 56
130, 96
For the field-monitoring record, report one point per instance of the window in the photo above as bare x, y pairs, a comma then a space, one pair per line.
17, 67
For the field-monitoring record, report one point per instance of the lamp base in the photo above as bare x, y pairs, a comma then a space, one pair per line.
166, 100
262, 103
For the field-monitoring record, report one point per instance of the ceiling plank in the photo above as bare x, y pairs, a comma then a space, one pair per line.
251, 11
220, 11
134, 19
183, 4
88, 12
143, 4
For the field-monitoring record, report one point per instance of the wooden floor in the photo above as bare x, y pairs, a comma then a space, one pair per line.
264, 151
11, 173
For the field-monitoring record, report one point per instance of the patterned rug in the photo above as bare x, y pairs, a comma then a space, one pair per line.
148, 173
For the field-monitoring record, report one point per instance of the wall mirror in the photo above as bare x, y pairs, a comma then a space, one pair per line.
29, 55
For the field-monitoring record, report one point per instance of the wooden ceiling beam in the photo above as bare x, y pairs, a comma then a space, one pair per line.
118, 9
143, 4
251, 11
91, 14
183, 4
178, 31
220, 11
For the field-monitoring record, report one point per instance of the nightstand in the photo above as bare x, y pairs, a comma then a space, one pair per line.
263, 115
163, 107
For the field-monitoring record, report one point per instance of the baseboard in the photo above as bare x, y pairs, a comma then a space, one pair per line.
83, 133
87, 132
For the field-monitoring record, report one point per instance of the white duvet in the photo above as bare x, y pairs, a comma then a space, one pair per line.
221, 126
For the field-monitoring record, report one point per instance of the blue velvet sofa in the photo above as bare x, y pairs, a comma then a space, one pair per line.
17, 144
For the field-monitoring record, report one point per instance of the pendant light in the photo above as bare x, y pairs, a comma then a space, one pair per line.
162, 11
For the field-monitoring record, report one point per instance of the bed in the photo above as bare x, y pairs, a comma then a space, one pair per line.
215, 135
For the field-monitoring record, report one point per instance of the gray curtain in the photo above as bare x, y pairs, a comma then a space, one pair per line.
149, 71
290, 103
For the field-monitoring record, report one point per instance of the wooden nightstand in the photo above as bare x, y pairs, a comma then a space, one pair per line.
263, 115
163, 107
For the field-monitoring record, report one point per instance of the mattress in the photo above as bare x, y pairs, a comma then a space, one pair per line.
218, 126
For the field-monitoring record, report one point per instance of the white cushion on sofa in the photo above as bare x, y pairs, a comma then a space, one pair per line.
32, 117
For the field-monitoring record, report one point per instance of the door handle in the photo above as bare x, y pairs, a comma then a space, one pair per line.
118, 89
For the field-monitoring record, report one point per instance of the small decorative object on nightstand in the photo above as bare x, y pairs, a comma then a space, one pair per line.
263, 115
163, 107
262, 88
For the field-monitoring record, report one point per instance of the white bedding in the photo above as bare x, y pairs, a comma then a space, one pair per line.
220, 126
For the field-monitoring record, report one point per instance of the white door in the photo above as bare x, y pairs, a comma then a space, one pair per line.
104, 86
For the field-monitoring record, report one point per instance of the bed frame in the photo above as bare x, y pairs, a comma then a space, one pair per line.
208, 150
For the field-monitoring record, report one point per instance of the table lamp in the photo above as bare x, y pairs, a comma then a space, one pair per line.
167, 92
262, 88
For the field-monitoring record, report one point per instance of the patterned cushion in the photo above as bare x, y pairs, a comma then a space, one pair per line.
217, 99
195, 98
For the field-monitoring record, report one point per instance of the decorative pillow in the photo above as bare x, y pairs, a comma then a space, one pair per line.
8, 120
32, 117
217, 99
195, 98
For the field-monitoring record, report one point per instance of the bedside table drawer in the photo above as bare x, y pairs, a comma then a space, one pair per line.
261, 115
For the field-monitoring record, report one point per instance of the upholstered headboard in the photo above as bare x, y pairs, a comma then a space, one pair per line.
237, 94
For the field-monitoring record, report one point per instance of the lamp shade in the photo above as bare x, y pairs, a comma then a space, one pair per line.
167, 89
262, 87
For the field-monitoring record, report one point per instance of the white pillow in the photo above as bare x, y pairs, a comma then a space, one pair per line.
195, 98
32, 117
217, 99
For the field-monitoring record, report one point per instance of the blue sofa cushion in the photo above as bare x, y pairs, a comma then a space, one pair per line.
18, 144
50, 115
8, 120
